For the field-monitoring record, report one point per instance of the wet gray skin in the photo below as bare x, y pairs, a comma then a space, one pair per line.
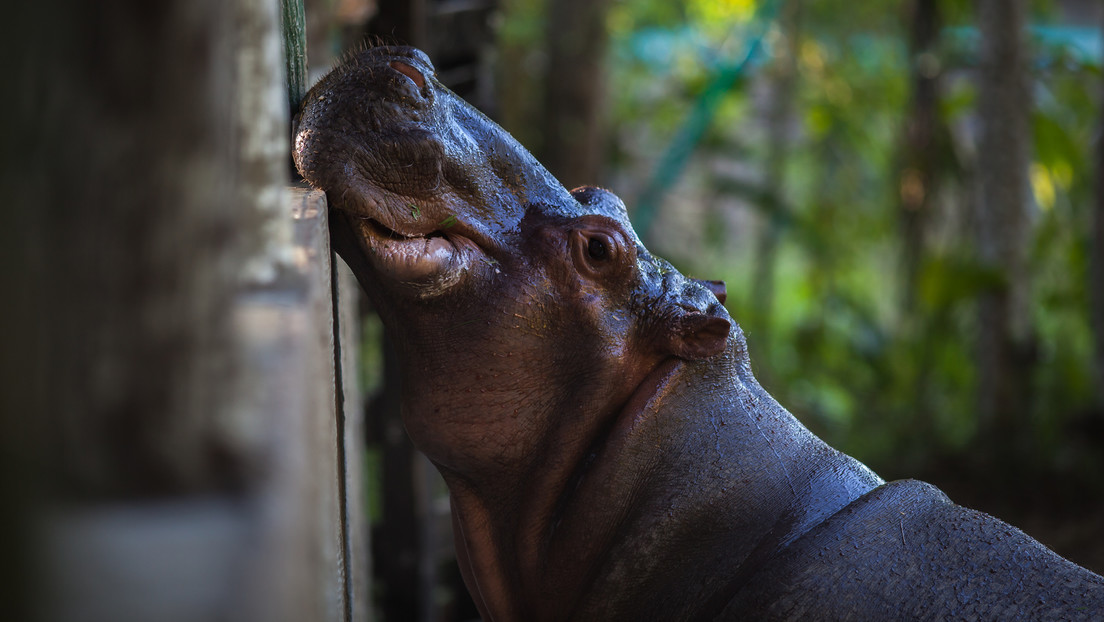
608, 452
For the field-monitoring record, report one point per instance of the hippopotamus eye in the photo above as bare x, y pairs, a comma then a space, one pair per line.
597, 249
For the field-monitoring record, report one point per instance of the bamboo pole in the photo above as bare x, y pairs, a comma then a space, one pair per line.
294, 22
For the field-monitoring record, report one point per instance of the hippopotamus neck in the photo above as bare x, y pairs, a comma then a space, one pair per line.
679, 483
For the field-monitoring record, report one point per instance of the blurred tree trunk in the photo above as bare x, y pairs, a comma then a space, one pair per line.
925, 150
520, 74
24, 383
402, 23
921, 150
574, 132
1002, 225
1096, 282
784, 77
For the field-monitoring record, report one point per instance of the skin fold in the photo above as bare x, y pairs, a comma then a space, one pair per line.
608, 452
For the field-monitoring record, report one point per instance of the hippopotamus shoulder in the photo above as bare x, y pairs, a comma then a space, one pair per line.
905, 551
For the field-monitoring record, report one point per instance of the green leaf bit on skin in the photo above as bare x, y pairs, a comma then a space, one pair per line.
448, 222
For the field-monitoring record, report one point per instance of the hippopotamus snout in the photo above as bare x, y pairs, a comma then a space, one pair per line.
371, 134
390, 143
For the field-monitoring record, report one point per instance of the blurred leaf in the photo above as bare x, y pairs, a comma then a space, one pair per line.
945, 281
1054, 147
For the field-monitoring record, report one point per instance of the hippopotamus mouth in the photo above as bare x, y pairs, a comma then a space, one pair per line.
434, 260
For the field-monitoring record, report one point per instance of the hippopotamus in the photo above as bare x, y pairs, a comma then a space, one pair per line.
609, 454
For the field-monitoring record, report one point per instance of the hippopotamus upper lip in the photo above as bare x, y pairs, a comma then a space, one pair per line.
384, 231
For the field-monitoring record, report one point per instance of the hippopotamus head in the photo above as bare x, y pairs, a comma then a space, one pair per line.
513, 302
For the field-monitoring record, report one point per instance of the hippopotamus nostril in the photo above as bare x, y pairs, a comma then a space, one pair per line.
409, 72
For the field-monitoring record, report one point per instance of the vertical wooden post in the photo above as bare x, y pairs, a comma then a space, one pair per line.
262, 141
24, 40
574, 136
142, 237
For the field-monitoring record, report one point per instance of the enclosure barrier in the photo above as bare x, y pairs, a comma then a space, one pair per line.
294, 546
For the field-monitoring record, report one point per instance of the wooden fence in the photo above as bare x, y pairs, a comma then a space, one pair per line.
182, 434
292, 545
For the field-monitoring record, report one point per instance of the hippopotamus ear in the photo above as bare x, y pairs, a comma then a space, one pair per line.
694, 335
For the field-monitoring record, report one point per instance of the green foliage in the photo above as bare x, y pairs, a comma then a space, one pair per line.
892, 383
525, 25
